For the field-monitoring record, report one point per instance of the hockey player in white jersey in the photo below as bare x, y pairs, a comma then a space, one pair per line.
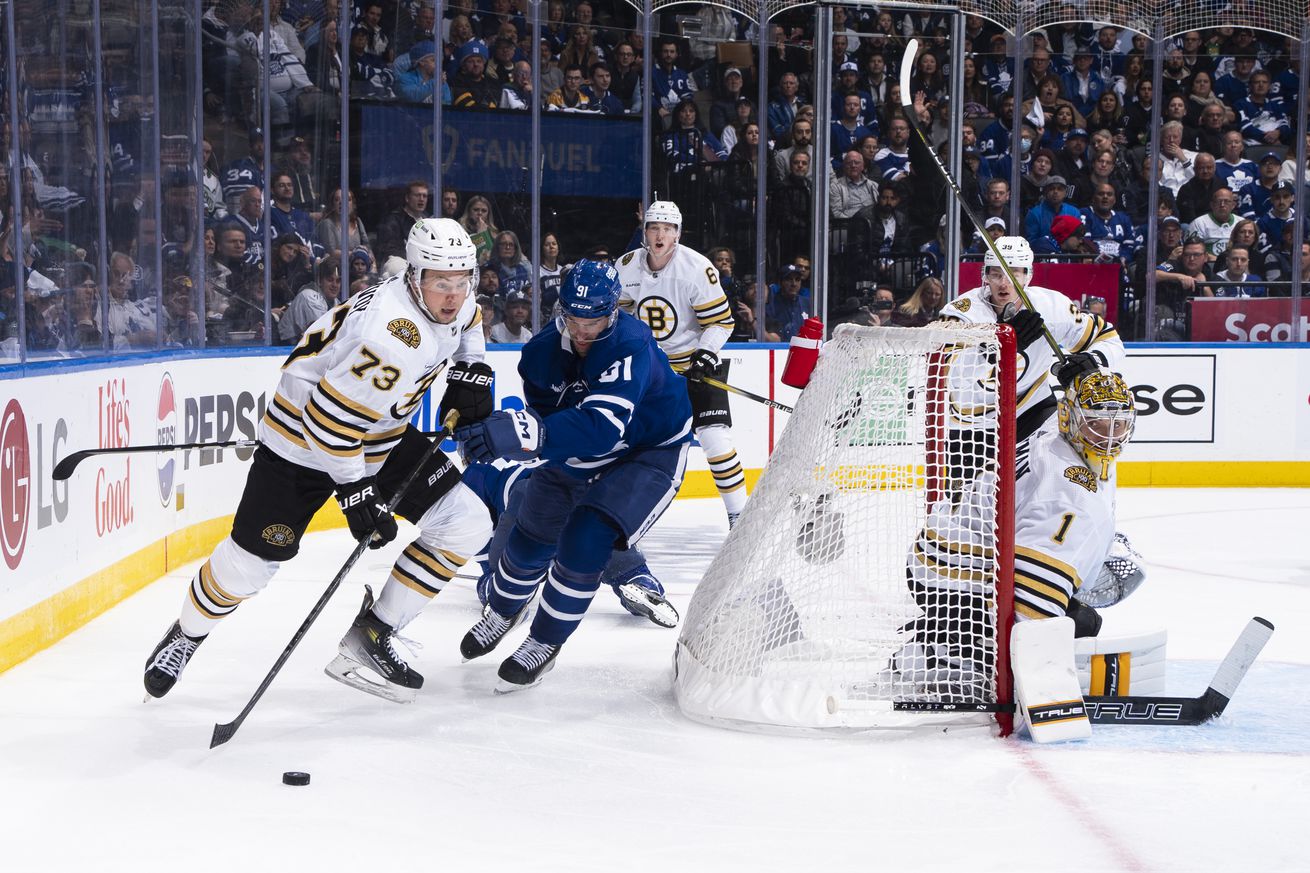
676, 292
1064, 538
338, 423
1089, 341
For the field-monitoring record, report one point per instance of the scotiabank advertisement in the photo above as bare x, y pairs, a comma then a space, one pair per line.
1248, 320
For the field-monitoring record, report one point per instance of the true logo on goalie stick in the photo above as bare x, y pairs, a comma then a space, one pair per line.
406, 331
279, 535
1081, 476
1128, 712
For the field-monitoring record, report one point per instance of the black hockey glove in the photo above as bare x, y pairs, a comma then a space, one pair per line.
1075, 367
703, 363
1028, 326
468, 390
365, 512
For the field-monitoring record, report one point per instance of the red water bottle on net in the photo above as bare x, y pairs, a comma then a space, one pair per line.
803, 354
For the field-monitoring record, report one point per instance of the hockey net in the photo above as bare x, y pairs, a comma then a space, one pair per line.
806, 618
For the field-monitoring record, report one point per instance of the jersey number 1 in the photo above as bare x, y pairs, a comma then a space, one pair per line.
1065, 521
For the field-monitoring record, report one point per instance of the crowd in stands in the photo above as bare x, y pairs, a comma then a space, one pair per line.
1223, 163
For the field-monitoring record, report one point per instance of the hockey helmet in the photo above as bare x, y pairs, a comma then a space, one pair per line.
439, 244
1097, 416
1016, 251
590, 290
664, 211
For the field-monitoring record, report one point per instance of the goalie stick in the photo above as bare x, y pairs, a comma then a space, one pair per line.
912, 119
224, 732
1157, 711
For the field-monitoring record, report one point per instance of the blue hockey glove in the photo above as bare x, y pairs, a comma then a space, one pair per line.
513, 434
703, 362
1075, 367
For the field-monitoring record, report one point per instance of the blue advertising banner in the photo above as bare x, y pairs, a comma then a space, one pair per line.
583, 155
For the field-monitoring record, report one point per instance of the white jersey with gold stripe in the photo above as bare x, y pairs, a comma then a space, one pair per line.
1074, 330
1063, 529
360, 371
683, 304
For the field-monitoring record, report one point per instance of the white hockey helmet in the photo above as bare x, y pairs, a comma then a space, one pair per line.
1097, 415
439, 244
665, 211
1016, 251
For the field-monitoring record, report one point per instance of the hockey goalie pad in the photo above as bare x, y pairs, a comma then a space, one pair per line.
1119, 666
1049, 701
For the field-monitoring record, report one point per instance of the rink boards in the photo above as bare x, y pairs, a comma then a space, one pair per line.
1209, 416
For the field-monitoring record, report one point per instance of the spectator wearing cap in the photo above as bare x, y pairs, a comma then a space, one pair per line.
786, 308
1253, 200
1280, 214
1195, 195
1216, 226
1110, 229
471, 88
1037, 223
304, 187
1083, 85
370, 74
242, 173
311, 301
598, 92
848, 82
487, 303
1237, 276
724, 110
415, 84
847, 130
994, 228
513, 328
1073, 164
504, 51
1263, 119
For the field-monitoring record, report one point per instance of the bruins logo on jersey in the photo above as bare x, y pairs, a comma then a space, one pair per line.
659, 315
406, 331
627, 259
963, 304
279, 535
1081, 476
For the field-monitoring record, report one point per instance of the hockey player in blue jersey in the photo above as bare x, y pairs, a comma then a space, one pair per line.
501, 485
612, 423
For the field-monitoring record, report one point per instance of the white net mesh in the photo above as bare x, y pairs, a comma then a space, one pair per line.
806, 618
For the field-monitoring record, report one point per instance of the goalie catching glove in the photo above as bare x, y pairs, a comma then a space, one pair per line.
703, 362
1076, 366
515, 434
366, 514
468, 391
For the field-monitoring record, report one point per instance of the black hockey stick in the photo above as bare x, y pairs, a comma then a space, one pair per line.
912, 119
710, 380
68, 464
225, 732
1143, 710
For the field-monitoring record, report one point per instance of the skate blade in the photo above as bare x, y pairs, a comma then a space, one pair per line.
660, 612
352, 673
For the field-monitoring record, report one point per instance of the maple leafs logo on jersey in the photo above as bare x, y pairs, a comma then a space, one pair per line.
406, 331
279, 535
1081, 476
963, 304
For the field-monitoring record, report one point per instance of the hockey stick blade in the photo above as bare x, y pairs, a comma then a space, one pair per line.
224, 732
68, 464
710, 380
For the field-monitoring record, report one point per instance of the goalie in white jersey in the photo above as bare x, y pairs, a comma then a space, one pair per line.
338, 422
1088, 340
676, 292
1067, 557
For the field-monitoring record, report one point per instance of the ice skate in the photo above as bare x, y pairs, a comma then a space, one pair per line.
169, 659
489, 631
368, 660
527, 666
642, 595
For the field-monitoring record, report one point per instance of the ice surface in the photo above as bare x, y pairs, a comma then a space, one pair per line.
597, 770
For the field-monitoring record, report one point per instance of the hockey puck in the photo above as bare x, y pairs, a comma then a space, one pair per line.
294, 777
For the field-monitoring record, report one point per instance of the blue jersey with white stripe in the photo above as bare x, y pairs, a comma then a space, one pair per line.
621, 396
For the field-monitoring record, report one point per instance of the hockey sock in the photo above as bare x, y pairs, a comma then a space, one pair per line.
572, 581
230, 576
419, 574
622, 562
518, 572
729, 478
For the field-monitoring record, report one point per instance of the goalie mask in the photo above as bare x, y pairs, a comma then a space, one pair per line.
439, 244
1097, 416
